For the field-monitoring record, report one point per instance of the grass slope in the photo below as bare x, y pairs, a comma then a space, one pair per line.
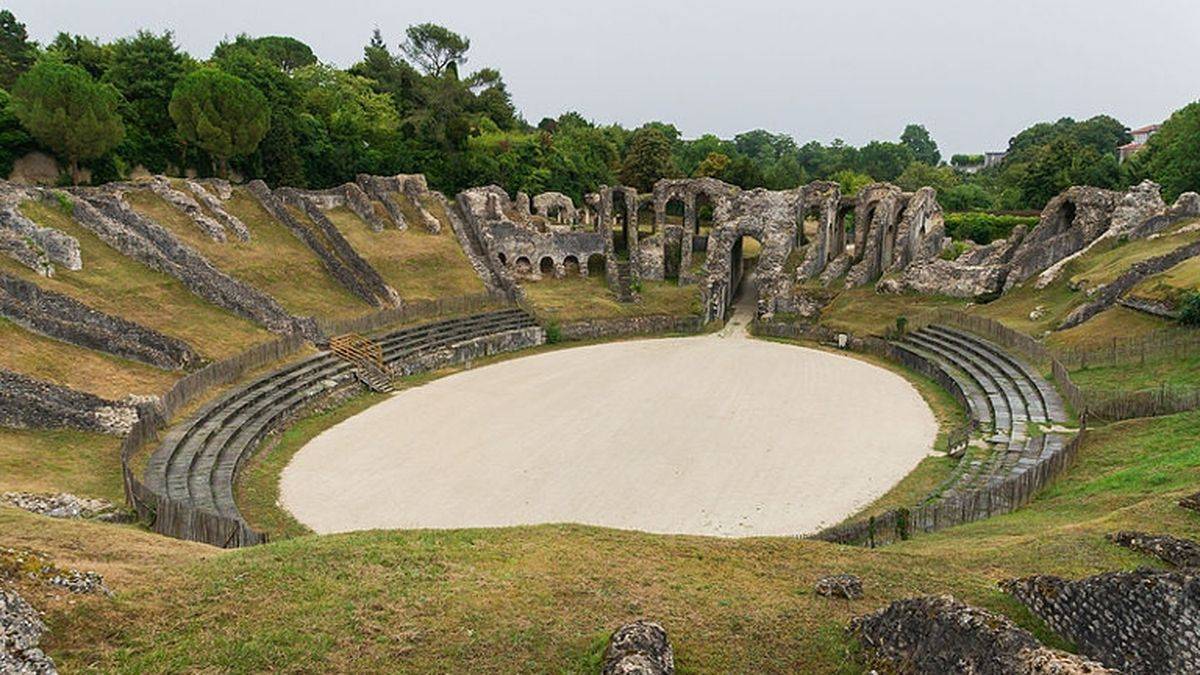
577, 298
113, 283
61, 460
87, 370
542, 599
419, 265
273, 261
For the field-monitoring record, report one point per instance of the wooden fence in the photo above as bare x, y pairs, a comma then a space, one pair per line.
412, 311
178, 519
1121, 351
1008, 495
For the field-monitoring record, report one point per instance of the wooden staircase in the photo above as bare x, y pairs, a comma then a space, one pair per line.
367, 358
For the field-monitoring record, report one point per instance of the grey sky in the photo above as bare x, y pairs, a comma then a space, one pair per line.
973, 71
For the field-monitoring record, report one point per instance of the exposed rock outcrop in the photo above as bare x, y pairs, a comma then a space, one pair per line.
1144, 621
934, 276
26, 403
845, 586
64, 318
641, 648
938, 634
36, 247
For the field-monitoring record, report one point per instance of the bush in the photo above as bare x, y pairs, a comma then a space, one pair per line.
983, 228
1189, 309
553, 333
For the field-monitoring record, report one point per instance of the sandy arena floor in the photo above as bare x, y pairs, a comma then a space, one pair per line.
717, 435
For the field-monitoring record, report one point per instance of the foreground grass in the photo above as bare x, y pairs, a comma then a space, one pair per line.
542, 599
1174, 372
577, 298
113, 283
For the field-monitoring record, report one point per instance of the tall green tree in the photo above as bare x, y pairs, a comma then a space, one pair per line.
435, 48
924, 149
81, 51
17, 52
68, 111
884, 160
145, 68
220, 113
1172, 158
647, 159
14, 140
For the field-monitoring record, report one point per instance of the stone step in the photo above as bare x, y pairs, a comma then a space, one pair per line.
1029, 391
1001, 413
1005, 384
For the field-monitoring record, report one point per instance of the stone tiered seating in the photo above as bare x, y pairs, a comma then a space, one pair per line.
199, 459
1004, 394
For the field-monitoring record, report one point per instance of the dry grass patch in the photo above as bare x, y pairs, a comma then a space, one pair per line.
61, 460
863, 311
1173, 283
113, 283
418, 264
76, 367
1099, 331
1113, 259
273, 261
577, 298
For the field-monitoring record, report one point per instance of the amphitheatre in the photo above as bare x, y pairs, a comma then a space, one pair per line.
373, 426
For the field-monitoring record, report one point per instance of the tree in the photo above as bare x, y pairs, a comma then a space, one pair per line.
68, 111
851, 181
287, 53
145, 69
647, 159
434, 48
883, 160
744, 173
917, 139
1172, 156
220, 113
713, 166
17, 53
14, 140
81, 51
919, 175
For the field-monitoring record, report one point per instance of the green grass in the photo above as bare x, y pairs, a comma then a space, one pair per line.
1112, 258
577, 298
418, 264
113, 283
1173, 372
273, 261
542, 598
1115, 322
863, 311
1173, 283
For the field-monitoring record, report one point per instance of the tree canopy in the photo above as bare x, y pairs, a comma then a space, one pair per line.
434, 48
68, 111
221, 113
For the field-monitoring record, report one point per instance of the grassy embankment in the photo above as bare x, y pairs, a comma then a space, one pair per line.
576, 298
543, 598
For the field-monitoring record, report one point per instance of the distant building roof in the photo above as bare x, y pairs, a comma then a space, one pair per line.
1148, 129
1131, 146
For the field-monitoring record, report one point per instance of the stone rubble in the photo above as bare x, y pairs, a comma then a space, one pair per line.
60, 505
845, 586
25, 564
21, 630
640, 648
1171, 550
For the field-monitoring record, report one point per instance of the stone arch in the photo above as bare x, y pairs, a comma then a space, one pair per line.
523, 266
546, 266
571, 266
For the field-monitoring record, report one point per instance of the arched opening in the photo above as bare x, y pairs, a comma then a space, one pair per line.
704, 215
887, 249
502, 258
554, 213
645, 219
571, 266
595, 265
808, 225
546, 266
842, 224
620, 225
673, 245
523, 266
743, 258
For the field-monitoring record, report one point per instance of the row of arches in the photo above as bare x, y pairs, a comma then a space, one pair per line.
547, 266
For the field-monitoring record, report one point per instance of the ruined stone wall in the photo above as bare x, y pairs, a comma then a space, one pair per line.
938, 634
339, 258
593, 329
186, 204
1141, 622
409, 186
877, 215
554, 206
105, 213
28, 403
1069, 222
825, 197
69, 320
921, 233
769, 217
1105, 296
510, 243
351, 196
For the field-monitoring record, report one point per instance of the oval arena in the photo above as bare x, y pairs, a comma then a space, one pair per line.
715, 435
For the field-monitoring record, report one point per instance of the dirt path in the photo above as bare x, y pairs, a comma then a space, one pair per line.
715, 435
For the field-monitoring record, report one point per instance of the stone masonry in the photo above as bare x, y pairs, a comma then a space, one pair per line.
1139, 622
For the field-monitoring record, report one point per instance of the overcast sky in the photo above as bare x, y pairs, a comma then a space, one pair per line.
973, 71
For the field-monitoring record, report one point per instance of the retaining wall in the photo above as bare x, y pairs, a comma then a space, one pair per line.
593, 329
